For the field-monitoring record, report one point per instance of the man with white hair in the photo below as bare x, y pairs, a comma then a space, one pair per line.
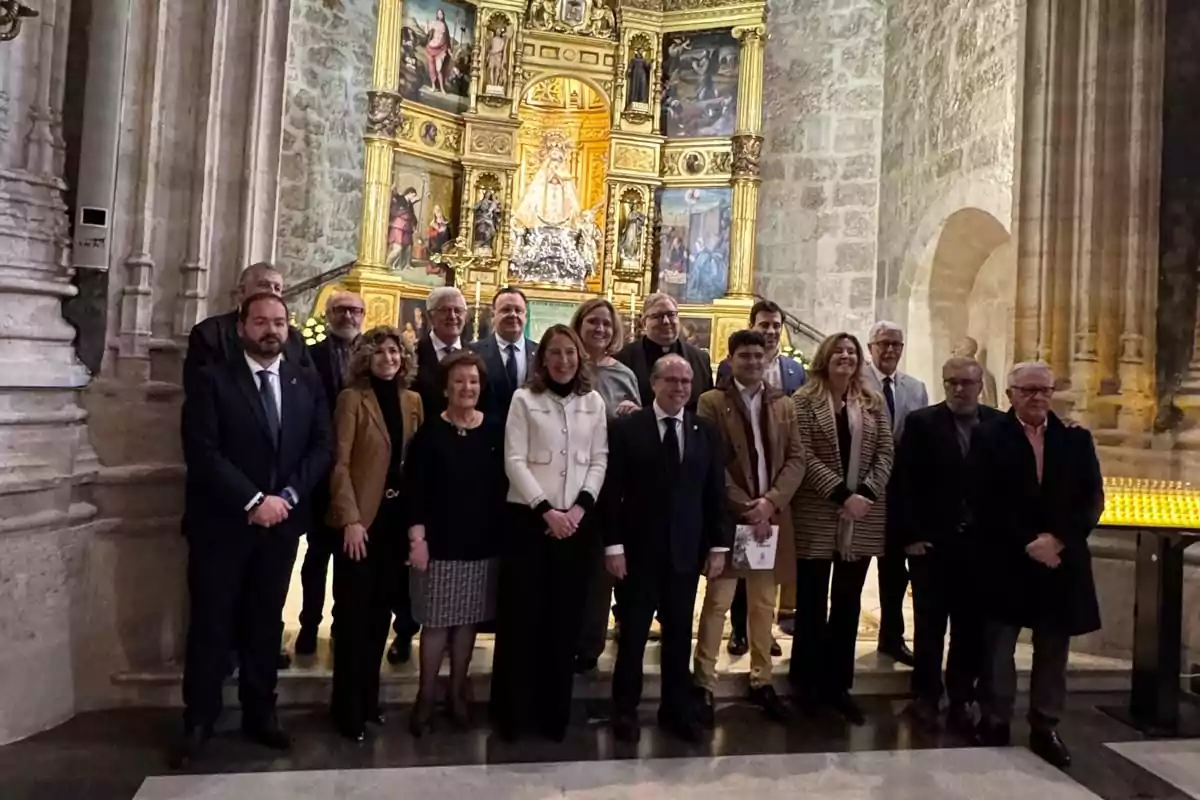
446, 308
902, 394
660, 337
1036, 494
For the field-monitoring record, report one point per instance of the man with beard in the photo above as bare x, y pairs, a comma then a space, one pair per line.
344, 312
256, 442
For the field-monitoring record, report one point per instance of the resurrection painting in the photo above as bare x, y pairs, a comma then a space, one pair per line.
700, 95
436, 38
422, 220
693, 260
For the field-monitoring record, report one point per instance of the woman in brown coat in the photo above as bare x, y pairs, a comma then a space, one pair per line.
376, 417
838, 515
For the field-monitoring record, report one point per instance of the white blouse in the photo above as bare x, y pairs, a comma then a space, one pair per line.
555, 447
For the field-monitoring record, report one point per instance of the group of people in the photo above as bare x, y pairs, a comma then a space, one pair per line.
522, 485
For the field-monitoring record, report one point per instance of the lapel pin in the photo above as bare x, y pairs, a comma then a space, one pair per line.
293, 381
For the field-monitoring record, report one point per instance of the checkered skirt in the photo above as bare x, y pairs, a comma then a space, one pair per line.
451, 593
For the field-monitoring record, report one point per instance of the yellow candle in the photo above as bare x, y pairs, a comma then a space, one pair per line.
608, 295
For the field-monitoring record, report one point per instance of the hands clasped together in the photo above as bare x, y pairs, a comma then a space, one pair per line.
1045, 549
270, 512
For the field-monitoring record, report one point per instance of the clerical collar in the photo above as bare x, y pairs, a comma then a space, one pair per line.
655, 351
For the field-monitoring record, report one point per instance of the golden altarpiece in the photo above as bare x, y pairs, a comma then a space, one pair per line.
572, 148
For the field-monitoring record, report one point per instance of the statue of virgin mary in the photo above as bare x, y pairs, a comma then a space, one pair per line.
550, 198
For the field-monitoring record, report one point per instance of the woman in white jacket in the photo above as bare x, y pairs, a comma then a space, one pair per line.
556, 452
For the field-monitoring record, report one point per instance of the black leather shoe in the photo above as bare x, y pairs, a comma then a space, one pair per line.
626, 728
845, 705
400, 651
306, 642
765, 698
899, 652
706, 708
1046, 743
188, 748
267, 733
681, 726
285, 659
776, 650
584, 665
738, 646
960, 720
993, 734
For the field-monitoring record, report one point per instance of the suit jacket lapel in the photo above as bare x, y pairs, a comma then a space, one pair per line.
827, 423
289, 389
374, 412
249, 386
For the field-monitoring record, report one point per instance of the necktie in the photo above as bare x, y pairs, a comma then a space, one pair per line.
266, 393
448, 349
671, 444
510, 366
889, 395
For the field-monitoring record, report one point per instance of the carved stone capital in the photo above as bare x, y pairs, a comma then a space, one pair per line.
747, 150
383, 114
750, 35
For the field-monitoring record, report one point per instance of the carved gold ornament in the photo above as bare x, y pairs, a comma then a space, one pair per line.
747, 149
383, 114
580, 17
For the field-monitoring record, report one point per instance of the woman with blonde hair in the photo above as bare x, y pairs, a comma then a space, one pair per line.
838, 514
376, 417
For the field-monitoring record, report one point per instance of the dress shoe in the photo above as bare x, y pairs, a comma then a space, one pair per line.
846, 705
626, 728
993, 734
285, 659
266, 731
738, 646
899, 652
352, 733
961, 720
706, 708
584, 664
1046, 743
682, 726
765, 698
776, 650
400, 650
188, 748
306, 642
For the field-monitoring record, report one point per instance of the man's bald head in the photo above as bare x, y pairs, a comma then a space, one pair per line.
258, 278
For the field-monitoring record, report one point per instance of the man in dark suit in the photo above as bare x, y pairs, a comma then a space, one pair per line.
344, 312
927, 510
1036, 495
447, 310
665, 520
660, 321
256, 441
215, 339
507, 354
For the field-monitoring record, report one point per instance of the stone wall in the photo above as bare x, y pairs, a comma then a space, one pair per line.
949, 126
320, 188
823, 103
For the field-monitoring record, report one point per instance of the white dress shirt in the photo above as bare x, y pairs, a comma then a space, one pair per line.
272, 375
660, 415
773, 373
753, 400
518, 353
439, 346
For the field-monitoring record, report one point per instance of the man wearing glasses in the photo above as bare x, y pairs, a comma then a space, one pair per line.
447, 310
660, 326
1036, 494
927, 504
344, 313
902, 394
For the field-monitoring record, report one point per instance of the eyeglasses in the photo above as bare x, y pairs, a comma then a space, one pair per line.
451, 311
348, 310
663, 316
1035, 391
889, 345
956, 383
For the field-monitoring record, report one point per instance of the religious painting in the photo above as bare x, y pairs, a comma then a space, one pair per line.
422, 219
700, 96
436, 38
696, 331
481, 328
693, 260
413, 322
544, 313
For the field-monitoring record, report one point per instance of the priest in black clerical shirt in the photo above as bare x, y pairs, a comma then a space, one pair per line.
660, 323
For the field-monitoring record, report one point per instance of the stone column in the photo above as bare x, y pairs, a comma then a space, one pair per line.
42, 427
747, 149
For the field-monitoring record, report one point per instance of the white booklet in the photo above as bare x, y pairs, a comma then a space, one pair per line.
749, 553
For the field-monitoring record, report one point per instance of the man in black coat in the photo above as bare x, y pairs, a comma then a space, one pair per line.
256, 441
344, 312
1036, 495
665, 520
660, 321
215, 339
447, 310
927, 510
507, 354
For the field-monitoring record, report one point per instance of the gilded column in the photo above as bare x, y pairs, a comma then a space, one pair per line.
383, 119
747, 149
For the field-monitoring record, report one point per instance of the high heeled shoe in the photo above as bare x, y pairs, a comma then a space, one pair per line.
421, 721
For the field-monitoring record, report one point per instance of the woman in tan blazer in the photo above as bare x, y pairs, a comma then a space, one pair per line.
375, 419
838, 514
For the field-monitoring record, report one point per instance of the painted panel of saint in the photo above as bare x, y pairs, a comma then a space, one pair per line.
422, 220
436, 38
693, 261
701, 71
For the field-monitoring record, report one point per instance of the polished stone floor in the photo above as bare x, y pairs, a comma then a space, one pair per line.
111, 755
1177, 762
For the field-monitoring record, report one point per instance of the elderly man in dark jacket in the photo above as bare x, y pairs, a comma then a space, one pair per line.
1036, 496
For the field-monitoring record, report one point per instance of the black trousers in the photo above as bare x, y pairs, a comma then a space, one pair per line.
826, 631
649, 587
893, 583
237, 584
1047, 683
944, 591
593, 628
323, 543
543, 583
364, 592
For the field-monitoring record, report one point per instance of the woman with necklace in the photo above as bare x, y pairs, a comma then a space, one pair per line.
455, 480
